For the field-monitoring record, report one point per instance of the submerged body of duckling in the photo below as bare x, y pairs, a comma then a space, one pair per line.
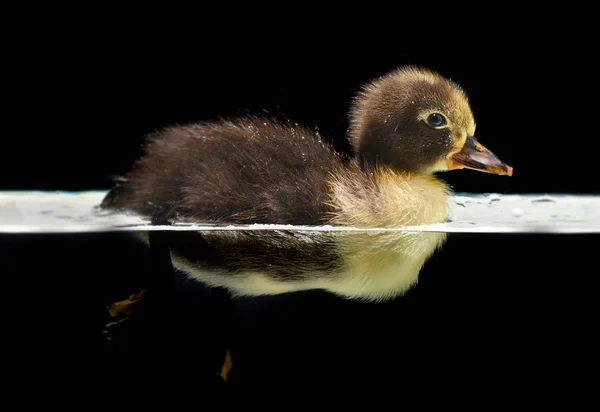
405, 126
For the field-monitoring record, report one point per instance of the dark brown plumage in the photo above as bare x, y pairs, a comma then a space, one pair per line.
246, 170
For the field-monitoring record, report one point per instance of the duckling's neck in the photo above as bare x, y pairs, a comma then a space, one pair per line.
383, 197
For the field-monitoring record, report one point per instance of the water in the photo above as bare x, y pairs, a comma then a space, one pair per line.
68, 212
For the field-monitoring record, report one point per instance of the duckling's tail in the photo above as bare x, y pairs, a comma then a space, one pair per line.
116, 198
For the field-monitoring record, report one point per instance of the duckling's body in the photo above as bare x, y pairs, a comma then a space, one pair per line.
257, 170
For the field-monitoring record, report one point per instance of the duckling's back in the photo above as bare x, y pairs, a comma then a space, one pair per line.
245, 170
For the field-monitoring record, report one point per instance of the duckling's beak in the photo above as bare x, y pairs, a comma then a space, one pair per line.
476, 157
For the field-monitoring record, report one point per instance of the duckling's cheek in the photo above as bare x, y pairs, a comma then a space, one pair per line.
440, 166
471, 130
459, 138
458, 141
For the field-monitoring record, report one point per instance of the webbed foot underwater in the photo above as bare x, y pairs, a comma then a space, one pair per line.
404, 127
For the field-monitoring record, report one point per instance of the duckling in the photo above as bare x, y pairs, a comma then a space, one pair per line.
405, 126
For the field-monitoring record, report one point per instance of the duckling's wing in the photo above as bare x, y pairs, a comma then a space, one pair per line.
246, 170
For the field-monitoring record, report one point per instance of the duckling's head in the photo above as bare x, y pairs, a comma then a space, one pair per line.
416, 120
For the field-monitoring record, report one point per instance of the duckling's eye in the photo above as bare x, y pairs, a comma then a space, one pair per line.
436, 120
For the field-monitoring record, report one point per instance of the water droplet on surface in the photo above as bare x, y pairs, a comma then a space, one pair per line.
461, 200
543, 199
494, 197
517, 212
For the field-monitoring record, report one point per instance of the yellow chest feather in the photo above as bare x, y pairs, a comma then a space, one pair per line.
381, 265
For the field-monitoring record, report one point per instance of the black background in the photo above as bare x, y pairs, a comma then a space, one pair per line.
486, 307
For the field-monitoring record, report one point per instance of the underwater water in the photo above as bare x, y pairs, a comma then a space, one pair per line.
510, 292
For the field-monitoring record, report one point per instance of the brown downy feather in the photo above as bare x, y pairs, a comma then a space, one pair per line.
246, 170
